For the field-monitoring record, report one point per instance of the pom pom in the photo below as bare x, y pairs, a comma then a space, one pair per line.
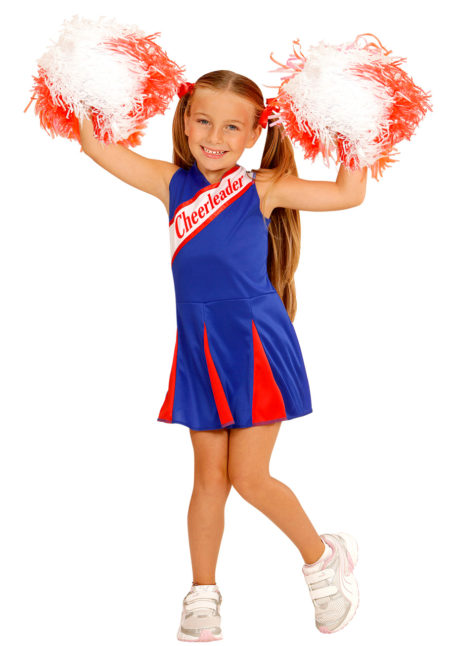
114, 74
353, 98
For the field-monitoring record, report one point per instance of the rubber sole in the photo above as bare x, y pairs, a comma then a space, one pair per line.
204, 636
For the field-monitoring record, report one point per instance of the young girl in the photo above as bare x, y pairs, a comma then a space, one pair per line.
237, 369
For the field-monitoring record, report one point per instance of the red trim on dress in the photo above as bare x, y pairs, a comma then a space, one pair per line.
267, 401
167, 408
220, 399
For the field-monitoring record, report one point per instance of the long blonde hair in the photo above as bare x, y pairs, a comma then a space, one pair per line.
284, 228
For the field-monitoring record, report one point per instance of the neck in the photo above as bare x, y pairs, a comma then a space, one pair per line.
214, 176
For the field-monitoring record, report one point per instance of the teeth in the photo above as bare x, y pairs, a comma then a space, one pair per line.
213, 152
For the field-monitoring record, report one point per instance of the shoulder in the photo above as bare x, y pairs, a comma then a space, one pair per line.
265, 180
168, 170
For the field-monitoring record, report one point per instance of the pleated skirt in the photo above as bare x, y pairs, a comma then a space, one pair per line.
237, 363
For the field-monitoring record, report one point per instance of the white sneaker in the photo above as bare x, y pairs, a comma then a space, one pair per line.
332, 585
200, 621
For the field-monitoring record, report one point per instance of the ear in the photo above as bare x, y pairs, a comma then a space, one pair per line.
254, 136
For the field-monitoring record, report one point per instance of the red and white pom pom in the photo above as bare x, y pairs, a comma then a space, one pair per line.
351, 97
112, 73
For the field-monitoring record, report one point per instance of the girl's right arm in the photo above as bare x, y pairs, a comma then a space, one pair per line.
149, 175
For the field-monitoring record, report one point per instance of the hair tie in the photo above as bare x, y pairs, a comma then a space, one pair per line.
185, 88
269, 108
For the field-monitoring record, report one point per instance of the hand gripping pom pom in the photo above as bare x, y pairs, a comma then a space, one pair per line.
113, 74
350, 97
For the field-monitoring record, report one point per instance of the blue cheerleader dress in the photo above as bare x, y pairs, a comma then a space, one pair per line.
237, 360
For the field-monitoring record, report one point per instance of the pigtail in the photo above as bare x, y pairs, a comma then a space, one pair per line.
182, 155
284, 229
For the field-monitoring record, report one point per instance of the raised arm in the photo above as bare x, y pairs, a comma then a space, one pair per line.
149, 175
291, 192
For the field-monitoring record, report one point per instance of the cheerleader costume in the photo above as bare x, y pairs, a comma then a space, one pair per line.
237, 360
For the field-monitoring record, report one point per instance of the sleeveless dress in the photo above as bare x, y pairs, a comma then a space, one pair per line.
237, 360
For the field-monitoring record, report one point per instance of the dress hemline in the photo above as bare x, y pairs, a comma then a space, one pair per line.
220, 428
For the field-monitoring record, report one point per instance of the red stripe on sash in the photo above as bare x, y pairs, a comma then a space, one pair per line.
167, 408
267, 401
220, 399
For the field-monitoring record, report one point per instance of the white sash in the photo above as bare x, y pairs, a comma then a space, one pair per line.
192, 216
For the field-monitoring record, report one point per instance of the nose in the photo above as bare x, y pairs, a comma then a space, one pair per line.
215, 136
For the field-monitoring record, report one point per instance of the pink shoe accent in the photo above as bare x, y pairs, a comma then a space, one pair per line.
207, 636
350, 563
323, 629
333, 548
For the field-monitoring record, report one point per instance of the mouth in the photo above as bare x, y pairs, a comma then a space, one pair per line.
213, 154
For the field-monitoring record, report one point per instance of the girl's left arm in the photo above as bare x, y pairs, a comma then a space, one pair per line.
348, 190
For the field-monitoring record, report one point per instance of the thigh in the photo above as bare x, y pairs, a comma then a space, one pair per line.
250, 450
211, 453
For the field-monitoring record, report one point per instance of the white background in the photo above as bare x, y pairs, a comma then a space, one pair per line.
94, 491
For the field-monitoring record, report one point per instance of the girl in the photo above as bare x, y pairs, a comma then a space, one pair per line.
237, 369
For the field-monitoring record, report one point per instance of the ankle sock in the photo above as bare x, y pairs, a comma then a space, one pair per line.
327, 552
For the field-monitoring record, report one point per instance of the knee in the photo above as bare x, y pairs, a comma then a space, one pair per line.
248, 482
212, 482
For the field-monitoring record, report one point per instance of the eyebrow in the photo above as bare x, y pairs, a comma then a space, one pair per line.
207, 115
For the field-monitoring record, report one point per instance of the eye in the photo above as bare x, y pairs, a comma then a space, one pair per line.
206, 121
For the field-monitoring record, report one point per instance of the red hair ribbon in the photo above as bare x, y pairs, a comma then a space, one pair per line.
269, 108
184, 88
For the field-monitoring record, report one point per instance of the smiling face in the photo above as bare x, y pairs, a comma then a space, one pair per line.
219, 129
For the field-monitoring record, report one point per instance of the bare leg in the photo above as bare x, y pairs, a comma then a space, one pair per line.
250, 450
206, 511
